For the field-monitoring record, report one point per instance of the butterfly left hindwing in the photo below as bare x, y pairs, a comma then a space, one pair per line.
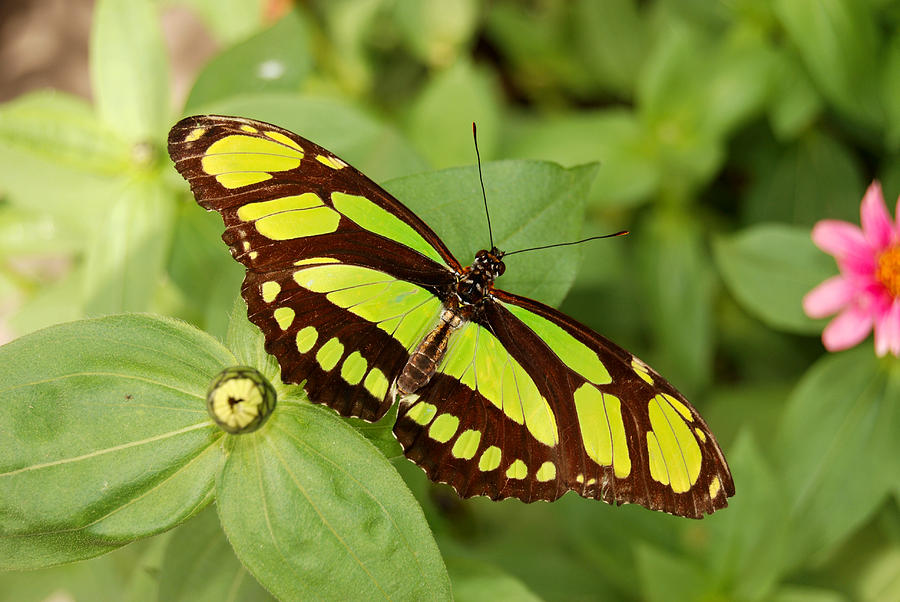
347, 284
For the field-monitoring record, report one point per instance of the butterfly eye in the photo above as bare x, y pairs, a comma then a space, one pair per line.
240, 400
500, 268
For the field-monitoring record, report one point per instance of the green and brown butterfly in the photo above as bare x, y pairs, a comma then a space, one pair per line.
499, 395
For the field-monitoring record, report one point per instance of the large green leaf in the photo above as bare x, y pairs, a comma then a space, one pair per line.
106, 438
837, 447
57, 158
275, 59
313, 510
531, 203
129, 69
769, 268
816, 178
839, 43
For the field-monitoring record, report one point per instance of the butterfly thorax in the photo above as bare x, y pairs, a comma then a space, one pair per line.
475, 282
472, 287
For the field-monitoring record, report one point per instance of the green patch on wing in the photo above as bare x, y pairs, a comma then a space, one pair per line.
478, 360
380, 221
403, 310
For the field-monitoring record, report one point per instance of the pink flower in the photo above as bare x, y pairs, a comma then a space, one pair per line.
867, 291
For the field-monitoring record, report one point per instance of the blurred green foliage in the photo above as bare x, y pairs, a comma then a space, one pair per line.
723, 131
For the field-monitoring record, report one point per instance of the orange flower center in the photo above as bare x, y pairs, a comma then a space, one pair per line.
888, 271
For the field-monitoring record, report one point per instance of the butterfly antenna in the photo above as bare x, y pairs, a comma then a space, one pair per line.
481, 179
565, 244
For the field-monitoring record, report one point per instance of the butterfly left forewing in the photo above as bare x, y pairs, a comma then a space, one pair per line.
341, 278
263, 178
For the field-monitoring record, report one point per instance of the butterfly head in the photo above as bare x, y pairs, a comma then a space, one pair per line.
489, 263
474, 284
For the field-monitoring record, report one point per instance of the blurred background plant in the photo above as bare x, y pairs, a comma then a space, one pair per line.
723, 130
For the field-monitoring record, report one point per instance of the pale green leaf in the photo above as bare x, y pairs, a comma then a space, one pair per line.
129, 250
129, 69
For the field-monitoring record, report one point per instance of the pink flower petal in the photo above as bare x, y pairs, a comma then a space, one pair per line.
887, 330
875, 298
858, 266
849, 328
876, 222
829, 297
841, 239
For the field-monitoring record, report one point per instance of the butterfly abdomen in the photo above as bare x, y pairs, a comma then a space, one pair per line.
428, 354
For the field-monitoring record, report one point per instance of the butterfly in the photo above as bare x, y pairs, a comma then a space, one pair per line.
498, 395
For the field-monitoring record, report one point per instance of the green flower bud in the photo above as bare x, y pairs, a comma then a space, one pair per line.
240, 400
